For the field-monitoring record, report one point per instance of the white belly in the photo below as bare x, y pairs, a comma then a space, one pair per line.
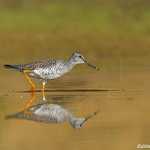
49, 73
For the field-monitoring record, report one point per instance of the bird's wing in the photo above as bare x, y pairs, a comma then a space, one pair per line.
39, 64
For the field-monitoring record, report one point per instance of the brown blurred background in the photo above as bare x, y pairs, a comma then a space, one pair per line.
114, 35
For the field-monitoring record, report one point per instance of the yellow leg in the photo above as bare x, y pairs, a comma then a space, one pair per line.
43, 91
29, 80
32, 99
29, 102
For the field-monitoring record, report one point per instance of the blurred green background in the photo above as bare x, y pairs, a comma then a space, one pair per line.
105, 28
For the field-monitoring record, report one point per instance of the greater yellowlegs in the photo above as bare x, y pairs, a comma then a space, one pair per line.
49, 69
51, 113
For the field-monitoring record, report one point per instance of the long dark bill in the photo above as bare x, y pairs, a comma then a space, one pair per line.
91, 65
90, 116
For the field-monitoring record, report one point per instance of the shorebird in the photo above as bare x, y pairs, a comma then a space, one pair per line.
48, 69
51, 113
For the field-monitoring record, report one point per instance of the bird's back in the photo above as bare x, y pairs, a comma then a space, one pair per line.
40, 64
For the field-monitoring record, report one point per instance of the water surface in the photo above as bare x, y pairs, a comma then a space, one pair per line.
120, 94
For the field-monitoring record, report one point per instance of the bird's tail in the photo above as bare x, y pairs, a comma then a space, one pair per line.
19, 115
16, 67
12, 116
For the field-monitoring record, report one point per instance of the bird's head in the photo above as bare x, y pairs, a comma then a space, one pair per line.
78, 58
79, 122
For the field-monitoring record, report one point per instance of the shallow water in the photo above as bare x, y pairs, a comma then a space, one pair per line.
119, 93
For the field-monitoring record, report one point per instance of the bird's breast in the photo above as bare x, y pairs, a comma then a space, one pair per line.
50, 72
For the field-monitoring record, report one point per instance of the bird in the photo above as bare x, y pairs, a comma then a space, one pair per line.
51, 113
49, 69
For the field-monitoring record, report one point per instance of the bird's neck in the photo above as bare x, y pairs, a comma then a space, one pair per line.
75, 121
69, 64
72, 120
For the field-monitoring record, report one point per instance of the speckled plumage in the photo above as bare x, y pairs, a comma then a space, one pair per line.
47, 69
50, 68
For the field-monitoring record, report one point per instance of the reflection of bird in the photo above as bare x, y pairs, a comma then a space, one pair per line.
49, 69
51, 113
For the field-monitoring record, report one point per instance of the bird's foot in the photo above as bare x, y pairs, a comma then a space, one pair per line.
44, 98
